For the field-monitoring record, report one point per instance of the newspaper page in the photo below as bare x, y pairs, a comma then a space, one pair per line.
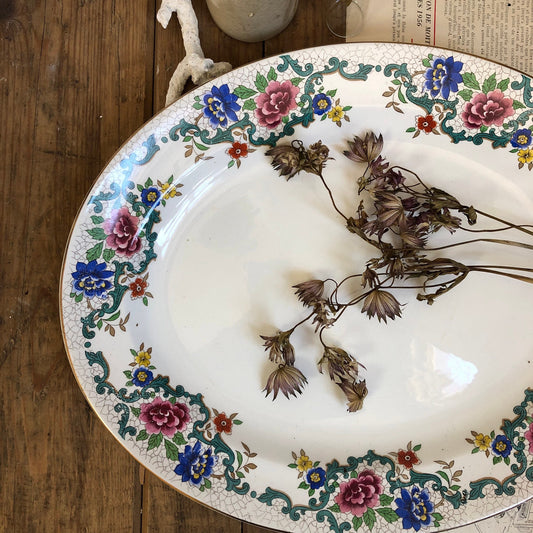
499, 30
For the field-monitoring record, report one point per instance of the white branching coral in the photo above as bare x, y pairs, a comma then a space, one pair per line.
194, 65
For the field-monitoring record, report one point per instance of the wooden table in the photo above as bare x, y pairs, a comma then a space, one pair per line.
77, 78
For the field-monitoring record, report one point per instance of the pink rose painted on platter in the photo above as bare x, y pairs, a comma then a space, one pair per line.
275, 103
360, 493
122, 232
161, 416
529, 437
487, 110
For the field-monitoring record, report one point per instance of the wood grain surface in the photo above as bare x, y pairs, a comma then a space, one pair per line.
77, 78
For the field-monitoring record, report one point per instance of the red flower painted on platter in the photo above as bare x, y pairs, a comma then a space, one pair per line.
238, 150
138, 288
426, 123
223, 423
360, 493
122, 232
407, 458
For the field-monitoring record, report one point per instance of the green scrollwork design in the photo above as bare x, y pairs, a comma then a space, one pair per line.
123, 428
527, 91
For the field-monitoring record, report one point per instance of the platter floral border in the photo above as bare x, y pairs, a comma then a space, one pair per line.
445, 94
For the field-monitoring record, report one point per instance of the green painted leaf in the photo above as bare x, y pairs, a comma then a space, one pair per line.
97, 233
293, 465
518, 105
426, 62
200, 146
142, 435
198, 105
136, 411
470, 81
496, 460
207, 483
483, 128
303, 485
272, 76
261, 82
296, 81
507, 461
240, 475
99, 324
244, 92
179, 439
171, 450
466, 94
249, 105
437, 516
316, 463
357, 522
489, 84
239, 459
396, 82
145, 300
369, 518
133, 352
155, 441
444, 476
311, 492
455, 488
172, 400
347, 108
332, 93
129, 383
187, 138
385, 499
113, 317
94, 252
285, 119
237, 422
128, 374
108, 254
410, 130
139, 187
231, 163
401, 97
388, 514
78, 298
324, 117
97, 220
503, 84
475, 450
148, 183
334, 508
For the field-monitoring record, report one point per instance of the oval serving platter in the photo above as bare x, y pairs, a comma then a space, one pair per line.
188, 245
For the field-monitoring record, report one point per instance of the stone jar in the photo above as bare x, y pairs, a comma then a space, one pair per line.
252, 20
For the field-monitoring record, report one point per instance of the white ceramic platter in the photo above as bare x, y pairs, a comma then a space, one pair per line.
186, 250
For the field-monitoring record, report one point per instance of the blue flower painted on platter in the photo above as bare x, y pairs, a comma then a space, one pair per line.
92, 279
316, 477
220, 105
414, 508
150, 196
501, 446
321, 103
195, 464
443, 77
142, 376
521, 138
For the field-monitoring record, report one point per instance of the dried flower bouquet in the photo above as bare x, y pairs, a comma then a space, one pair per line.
397, 214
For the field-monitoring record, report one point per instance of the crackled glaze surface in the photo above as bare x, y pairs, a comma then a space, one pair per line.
186, 249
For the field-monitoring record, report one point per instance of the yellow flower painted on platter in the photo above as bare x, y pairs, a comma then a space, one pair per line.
143, 358
336, 113
525, 156
482, 441
303, 463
